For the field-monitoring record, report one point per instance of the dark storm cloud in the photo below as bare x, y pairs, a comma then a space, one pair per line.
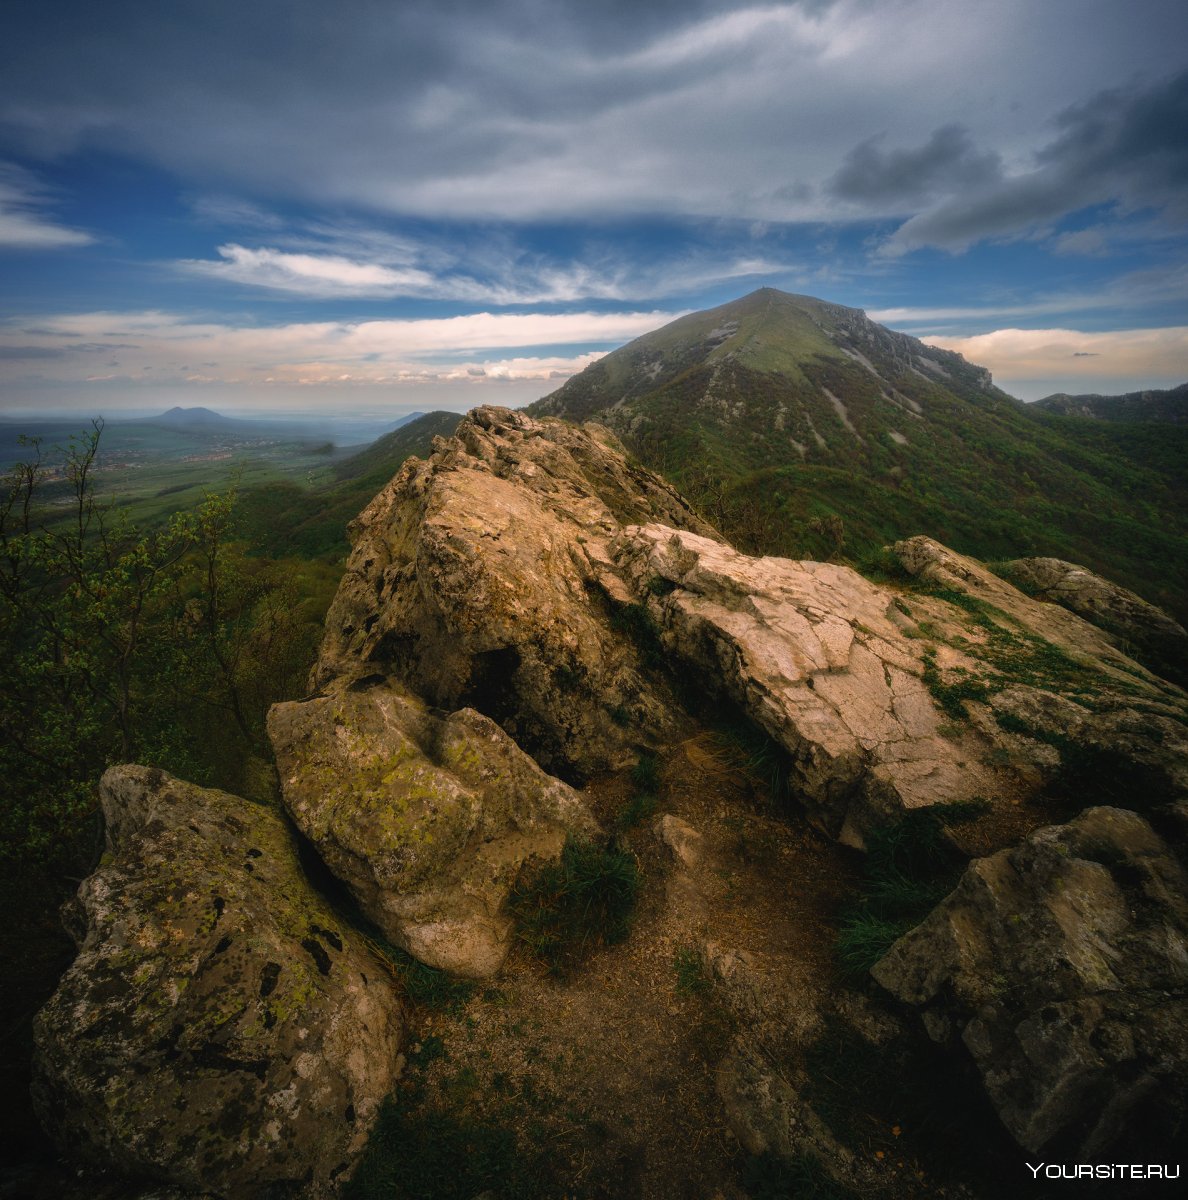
1128, 147
27, 352
947, 161
562, 110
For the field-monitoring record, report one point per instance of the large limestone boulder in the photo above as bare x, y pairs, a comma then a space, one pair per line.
810, 652
426, 818
481, 578
221, 1030
1061, 967
888, 699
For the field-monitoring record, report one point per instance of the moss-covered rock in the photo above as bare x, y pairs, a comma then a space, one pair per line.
426, 819
221, 1029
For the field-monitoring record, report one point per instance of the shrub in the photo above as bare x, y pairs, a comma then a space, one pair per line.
766, 1176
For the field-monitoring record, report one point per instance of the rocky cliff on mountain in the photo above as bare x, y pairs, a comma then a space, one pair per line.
221, 1029
482, 577
783, 415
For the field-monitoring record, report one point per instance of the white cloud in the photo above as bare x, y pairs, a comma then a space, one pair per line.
324, 260
23, 222
321, 275
1035, 362
157, 347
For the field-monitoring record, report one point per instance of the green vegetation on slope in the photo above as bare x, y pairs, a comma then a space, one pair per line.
163, 644
891, 438
284, 518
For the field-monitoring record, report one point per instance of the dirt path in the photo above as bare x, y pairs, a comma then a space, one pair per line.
612, 1071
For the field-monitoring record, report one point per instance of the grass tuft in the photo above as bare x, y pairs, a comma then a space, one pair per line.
766, 1176
910, 867
691, 979
566, 908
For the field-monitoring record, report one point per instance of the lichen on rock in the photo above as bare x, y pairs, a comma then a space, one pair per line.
426, 818
221, 1030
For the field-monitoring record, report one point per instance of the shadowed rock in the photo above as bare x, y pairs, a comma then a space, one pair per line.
221, 1030
1061, 967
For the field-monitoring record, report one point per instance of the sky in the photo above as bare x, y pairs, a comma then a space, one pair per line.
379, 207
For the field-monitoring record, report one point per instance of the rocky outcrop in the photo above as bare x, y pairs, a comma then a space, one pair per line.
810, 652
481, 579
1129, 619
1102, 603
427, 819
1061, 967
221, 1030
530, 572
889, 701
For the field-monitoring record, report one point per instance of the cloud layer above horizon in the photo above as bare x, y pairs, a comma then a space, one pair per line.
286, 171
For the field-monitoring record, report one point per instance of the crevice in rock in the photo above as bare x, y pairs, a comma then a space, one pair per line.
491, 688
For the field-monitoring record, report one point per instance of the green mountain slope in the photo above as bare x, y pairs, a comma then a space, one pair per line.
1169, 405
781, 415
284, 518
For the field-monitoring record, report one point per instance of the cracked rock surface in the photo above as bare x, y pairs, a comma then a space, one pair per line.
852, 677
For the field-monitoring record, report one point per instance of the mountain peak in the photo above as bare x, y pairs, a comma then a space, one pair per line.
777, 340
192, 417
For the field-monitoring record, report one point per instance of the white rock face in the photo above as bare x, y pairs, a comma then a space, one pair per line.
809, 651
846, 674
1127, 619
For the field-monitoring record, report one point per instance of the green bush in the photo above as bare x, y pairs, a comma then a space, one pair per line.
444, 1153
566, 908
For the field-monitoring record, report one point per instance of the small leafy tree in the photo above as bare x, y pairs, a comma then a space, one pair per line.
119, 643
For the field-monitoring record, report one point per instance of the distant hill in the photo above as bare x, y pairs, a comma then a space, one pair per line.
193, 419
1168, 405
781, 415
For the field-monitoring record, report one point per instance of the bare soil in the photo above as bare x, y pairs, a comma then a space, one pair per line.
613, 1068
